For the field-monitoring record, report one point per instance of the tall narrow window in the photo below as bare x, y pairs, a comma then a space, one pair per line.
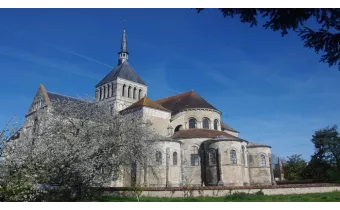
262, 161
123, 90
233, 159
159, 158
206, 123
216, 124
129, 92
192, 123
212, 157
134, 93
112, 90
140, 94
100, 93
195, 158
174, 159
111, 110
35, 126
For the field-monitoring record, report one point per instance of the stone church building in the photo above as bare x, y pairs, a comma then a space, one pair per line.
201, 150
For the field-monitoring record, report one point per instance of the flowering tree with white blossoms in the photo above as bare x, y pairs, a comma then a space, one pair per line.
77, 145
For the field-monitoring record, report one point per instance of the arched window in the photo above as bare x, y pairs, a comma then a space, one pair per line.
140, 94
212, 157
174, 158
242, 156
134, 92
129, 92
192, 123
195, 158
216, 124
35, 126
123, 91
100, 93
158, 158
262, 161
178, 128
206, 123
233, 158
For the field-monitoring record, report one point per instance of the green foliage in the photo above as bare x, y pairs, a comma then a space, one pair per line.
325, 38
295, 168
260, 192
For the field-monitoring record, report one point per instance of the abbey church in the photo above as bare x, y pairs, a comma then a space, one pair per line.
202, 149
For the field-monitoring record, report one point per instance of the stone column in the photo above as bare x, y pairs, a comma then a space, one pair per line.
167, 168
110, 90
219, 162
182, 166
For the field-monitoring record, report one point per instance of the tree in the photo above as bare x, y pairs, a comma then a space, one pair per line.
295, 167
10, 128
325, 162
324, 39
327, 145
78, 146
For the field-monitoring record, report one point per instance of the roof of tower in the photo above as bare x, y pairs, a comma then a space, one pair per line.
185, 100
124, 71
147, 103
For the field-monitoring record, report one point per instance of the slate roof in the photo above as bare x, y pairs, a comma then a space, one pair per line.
58, 97
227, 127
124, 71
185, 100
202, 133
148, 103
253, 144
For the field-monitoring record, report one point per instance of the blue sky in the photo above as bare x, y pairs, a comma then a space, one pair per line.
271, 89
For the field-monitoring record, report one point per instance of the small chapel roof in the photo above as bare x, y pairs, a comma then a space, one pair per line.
254, 144
203, 133
145, 101
185, 100
124, 71
227, 127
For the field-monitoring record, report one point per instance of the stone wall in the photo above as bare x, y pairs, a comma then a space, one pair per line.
182, 118
259, 175
221, 193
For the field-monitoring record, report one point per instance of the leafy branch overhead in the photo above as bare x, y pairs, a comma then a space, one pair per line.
324, 39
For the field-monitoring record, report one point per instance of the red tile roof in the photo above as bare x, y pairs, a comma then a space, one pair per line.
201, 133
185, 100
148, 103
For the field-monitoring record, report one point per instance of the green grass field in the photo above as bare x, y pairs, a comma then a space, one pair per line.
313, 197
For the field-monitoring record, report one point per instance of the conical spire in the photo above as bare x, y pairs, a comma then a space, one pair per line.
123, 54
123, 46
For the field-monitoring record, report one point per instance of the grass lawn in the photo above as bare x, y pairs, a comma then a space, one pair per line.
313, 197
